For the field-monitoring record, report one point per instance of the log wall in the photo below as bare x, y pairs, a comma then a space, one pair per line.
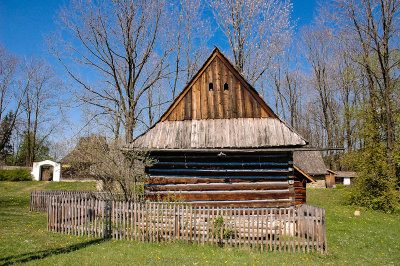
216, 179
300, 191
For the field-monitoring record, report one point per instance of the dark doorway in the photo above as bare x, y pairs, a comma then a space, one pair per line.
46, 173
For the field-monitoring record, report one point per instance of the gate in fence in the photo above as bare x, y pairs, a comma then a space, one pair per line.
274, 229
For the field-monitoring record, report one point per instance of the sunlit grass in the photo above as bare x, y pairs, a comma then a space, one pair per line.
372, 238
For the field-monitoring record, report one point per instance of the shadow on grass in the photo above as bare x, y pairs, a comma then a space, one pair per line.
37, 255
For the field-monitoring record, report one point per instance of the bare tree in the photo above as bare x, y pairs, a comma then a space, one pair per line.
257, 31
119, 43
319, 52
348, 81
287, 82
11, 94
120, 172
191, 34
187, 36
372, 28
37, 104
26, 88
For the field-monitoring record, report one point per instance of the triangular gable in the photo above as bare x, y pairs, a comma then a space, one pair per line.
195, 120
231, 95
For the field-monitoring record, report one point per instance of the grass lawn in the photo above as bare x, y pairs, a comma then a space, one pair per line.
373, 238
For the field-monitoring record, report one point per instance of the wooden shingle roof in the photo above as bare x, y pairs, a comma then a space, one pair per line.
310, 162
219, 133
343, 174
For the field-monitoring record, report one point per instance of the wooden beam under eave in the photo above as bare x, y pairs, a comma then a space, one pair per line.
304, 174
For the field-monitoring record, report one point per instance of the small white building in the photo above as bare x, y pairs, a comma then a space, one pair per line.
344, 177
40, 170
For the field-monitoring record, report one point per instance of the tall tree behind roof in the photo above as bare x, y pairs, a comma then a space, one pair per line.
38, 105
120, 43
257, 31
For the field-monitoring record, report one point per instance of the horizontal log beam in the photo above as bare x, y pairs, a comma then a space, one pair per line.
162, 179
230, 177
210, 172
219, 186
218, 195
218, 155
219, 165
244, 204
298, 202
300, 190
298, 184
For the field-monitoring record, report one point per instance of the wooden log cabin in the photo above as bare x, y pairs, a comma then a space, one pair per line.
220, 144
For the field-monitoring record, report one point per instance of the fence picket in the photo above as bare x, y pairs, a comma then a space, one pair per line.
325, 249
302, 228
317, 231
151, 215
231, 222
293, 231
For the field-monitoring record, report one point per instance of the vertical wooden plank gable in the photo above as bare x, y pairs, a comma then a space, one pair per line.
238, 101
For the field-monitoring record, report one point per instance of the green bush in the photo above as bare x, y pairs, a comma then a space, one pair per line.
375, 186
15, 175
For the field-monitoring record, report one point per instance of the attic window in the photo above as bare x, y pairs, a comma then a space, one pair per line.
226, 87
210, 86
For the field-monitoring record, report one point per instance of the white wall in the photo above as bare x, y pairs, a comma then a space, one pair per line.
37, 167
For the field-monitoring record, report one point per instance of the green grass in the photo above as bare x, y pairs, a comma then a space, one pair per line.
373, 238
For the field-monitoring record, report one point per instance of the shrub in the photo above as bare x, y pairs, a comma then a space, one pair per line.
374, 187
15, 175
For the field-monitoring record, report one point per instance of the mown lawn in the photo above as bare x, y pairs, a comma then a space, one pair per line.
373, 238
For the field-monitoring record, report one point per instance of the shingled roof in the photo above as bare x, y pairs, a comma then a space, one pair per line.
218, 108
310, 162
219, 133
345, 174
84, 143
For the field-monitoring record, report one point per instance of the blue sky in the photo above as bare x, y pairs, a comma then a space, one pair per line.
24, 23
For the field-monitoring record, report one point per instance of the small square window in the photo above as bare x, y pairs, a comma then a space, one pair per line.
226, 87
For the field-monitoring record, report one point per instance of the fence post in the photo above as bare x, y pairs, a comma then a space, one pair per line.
107, 219
48, 218
325, 248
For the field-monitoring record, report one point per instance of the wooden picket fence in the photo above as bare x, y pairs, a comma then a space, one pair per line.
40, 198
299, 229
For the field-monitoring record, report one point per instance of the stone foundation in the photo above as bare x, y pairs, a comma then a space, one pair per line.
317, 184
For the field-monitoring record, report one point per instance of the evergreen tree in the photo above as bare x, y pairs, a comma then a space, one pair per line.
375, 187
41, 150
6, 128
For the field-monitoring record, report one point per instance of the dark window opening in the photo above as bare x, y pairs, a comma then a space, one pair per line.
210, 87
226, 87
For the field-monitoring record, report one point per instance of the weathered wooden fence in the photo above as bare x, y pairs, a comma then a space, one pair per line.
40, 198
274, 229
